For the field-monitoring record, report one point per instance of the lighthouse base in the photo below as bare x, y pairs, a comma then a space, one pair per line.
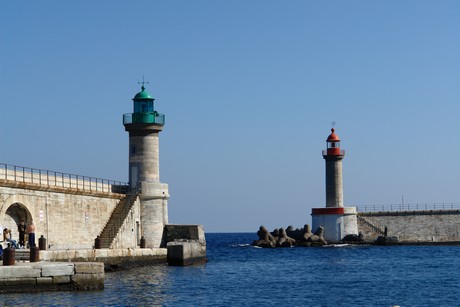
337, 222
153, 212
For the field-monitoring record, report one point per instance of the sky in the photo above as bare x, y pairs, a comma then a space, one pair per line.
250, 90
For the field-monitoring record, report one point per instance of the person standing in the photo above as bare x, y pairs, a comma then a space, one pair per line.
31, 231
22, 233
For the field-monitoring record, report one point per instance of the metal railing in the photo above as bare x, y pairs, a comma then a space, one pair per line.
58, 179
144, 118
409, 207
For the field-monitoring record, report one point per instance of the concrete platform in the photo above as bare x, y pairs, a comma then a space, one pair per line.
47, 276
110, 257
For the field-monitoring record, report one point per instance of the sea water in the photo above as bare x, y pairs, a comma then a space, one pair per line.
238, 274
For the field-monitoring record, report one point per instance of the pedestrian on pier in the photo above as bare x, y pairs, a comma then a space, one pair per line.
22, 233
31, 231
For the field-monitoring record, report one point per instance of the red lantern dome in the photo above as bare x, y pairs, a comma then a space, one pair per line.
333, 145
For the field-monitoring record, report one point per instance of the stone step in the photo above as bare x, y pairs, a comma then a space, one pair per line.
21, 254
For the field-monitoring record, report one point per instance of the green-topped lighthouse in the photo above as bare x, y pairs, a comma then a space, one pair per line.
144, 126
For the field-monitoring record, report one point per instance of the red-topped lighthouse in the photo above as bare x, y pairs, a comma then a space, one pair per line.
337, 220
333, 156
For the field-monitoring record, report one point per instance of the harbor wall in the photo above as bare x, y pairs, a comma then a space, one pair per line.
42, 276
412, 226
110, 257
68, 219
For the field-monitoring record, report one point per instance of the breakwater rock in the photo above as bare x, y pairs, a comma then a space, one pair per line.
289, 237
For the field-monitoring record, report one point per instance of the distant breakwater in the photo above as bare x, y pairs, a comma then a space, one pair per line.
290, 237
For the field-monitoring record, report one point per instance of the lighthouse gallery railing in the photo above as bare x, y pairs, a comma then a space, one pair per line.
59, 179
144, 118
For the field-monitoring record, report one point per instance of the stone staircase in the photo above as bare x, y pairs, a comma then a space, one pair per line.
369, 230
116, 220
22, 254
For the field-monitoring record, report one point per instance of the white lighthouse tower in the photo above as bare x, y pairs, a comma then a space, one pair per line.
144, 126
337, 220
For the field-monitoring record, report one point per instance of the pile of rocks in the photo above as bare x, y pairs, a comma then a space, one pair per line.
290, 237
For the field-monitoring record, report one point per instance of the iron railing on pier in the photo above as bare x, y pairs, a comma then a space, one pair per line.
409, 207
58, 179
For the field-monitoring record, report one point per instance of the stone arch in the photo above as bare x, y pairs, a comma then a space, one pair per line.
14, 214
12, 209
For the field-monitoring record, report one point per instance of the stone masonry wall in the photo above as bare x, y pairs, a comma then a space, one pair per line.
418, 226
68, 221
42, 276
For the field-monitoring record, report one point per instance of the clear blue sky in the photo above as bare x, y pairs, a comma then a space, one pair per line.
249, 89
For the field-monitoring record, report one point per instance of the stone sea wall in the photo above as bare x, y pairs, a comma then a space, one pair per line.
110, 257
414, 226
43, 276
69, 221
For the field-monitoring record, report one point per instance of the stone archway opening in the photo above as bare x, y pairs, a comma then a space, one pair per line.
13, 216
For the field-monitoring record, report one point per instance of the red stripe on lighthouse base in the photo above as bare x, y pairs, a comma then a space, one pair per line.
337, 210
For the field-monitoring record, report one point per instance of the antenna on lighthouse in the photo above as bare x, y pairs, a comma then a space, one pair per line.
143, 82
333, 124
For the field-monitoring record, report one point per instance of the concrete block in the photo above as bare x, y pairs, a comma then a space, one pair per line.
45, 255
28, 281
81, 254
65, 255
128, 252
186, 253
91, 255
146, 252
12, 281
161, 251
19, 281
89, 267
187, 232
58, 269
88, 281
117, 252
110, 253
137, 252
14, 271
65, 279
44, 280
101, 253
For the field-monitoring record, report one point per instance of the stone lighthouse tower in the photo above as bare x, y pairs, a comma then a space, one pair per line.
144, 126
333, 156
337, 220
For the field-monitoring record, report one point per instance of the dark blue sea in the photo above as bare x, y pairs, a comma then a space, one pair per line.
240, 275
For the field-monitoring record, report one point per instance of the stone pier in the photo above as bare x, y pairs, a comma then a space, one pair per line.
46, 276
122, 257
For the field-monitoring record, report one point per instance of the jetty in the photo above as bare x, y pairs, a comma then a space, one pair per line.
51, 276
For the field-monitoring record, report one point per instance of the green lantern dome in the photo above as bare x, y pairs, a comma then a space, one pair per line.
143, 95
144, 111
